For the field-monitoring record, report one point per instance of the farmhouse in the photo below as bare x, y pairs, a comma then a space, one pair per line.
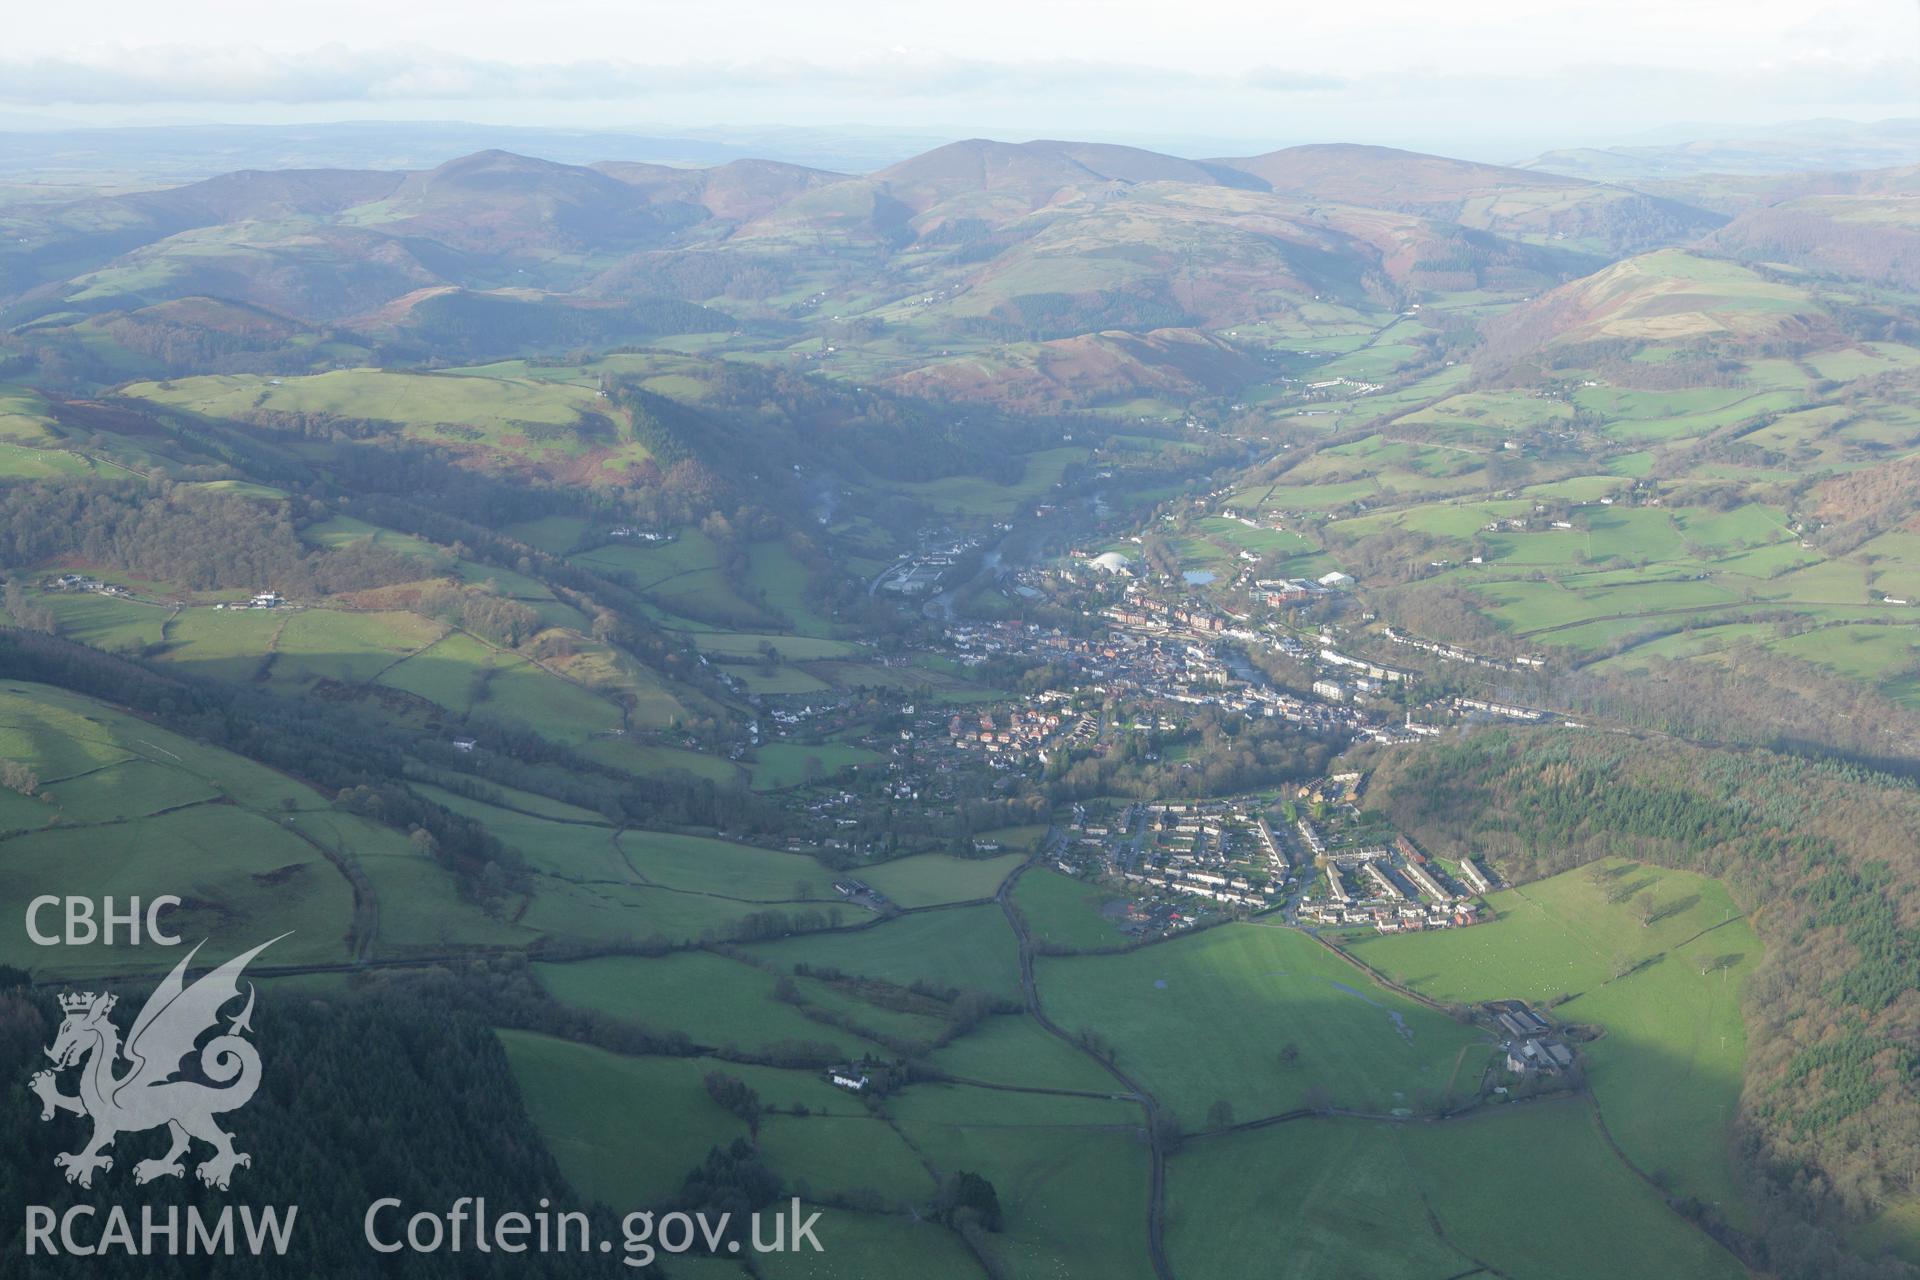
1517, 1020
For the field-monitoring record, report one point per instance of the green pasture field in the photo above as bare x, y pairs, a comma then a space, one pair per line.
500, 796
1635, 533
26, 462
1196, 552
911, 1030
350, 648
1071, 1173
778, 765
635, 1153
1332, 1200
1810, 431
1528, 608
1723, 533
650, 563
791, 648
1547, 549
847, 1155
346, 531
1667, 1072
421, 909
1319, 496
1868, 653
1558, 936
1013, 1049
681, 577
62, 736
131, 789
1768, 562
554, 534
1616, 405
968, 948
222, 644
642, 759
1530, 1189
1398, 471
558, 708
1264, 542
1895, 558
1690, 643
1371, 364
446, 672
105, 622
697, 864
1590, 636
608, 673
1864, 360
226, 863
1584, 489
707, 594
781, 579
716, 1002
1024, 839
1064, 913
25, 417
624, 1155
571, 708
1691, 425
943, 683
581, 849
781, 681
931, 878
1203, 1019
1452, 519
1502, 413
420, 405
1826, 582
979, 497
1578, 1215
1406, 465
616, 913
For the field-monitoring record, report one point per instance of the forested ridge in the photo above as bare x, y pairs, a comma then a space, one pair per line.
359, 1100
1819, 855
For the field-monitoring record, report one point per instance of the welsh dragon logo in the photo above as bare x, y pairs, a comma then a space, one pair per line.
146, 1094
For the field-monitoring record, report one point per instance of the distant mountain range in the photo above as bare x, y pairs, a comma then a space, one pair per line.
1805, 145
180, 153
1046, 273
43, 149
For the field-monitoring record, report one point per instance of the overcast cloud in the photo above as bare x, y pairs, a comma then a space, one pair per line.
1370, 70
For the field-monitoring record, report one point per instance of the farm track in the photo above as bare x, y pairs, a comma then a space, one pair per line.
1677, 611
374, 679
1030, 990
565, 955
1626, 1161
1585, 1092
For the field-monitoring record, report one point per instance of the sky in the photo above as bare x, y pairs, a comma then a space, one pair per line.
1479, 74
